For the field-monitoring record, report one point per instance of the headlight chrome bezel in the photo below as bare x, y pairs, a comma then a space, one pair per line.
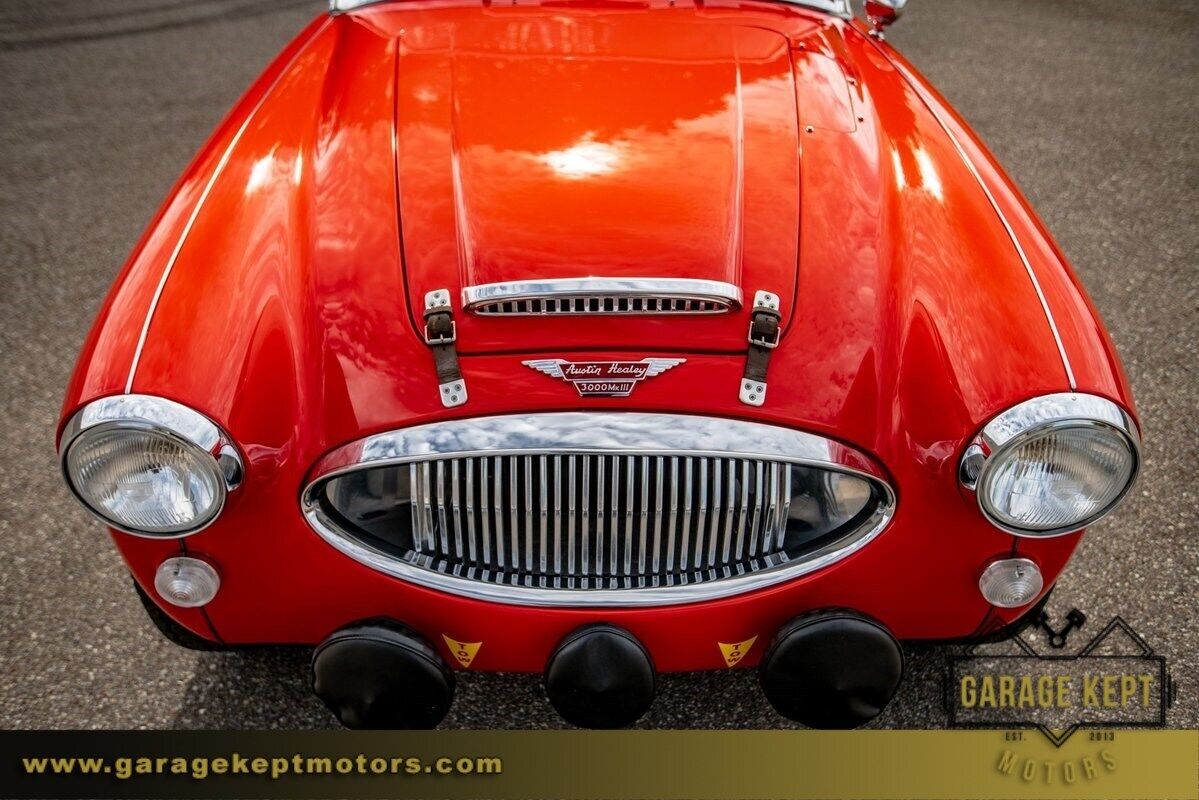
166, 418
1036, 417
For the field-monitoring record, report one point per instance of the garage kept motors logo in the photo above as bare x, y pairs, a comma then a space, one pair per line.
1115, 680
603, 378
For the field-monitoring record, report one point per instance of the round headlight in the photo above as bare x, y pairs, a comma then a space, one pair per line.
148, 466
1055, 464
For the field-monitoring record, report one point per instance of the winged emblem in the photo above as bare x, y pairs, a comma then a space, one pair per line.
548, 366
603, 378
659, 365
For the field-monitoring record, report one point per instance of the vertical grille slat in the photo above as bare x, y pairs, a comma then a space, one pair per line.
497, 495
701, 528
455, 509
784, 505
417, 514
674, 511
472, 539
614, 517
756, 514
585, 502
485, 515
543, 514
742, 513
571, 527
427, 510
528, 517
717, 511
513, 516
443, 543
685, 531
601, 560
659, 466
643, 515
771, 510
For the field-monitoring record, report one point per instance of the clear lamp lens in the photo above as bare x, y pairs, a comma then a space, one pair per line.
186, 582
144, 480
1011, 582
1058, 479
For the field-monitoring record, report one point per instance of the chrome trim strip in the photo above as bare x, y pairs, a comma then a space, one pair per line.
1032, 276
165, 417
195, 213
725, 295
158, 411
599, 433
838, 8
584, 433
1031, 418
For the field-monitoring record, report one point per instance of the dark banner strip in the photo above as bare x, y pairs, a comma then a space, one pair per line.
622, 764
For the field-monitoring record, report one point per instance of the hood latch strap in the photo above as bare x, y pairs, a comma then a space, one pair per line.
764, 330
440, 335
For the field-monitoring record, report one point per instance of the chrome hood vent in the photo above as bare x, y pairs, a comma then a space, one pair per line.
589, 509
602, 296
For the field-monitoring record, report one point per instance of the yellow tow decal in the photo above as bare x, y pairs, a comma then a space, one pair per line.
733, 653
463, 652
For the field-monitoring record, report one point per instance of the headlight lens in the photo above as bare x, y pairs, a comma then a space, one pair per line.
149, 466
1058, 479
145, 480
1056, 464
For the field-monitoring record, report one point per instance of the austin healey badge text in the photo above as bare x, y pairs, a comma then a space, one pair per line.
604, 378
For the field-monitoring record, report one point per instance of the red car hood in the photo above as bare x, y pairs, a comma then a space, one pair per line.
565, 146
533, 148
422, 145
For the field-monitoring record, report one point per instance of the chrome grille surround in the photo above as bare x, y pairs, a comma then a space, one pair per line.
602, 296
610, 545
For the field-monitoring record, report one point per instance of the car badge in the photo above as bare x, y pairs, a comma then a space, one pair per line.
603, 378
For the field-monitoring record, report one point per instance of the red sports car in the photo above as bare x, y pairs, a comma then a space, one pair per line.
598, 338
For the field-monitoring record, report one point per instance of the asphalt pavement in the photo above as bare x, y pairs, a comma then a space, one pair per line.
1090, 105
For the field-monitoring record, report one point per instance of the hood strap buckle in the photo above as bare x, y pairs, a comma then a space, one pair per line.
764, 332
440, 335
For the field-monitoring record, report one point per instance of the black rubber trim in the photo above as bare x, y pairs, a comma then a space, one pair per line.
172, 630
989, 630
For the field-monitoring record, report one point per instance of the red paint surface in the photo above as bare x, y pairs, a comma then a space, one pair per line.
420, 145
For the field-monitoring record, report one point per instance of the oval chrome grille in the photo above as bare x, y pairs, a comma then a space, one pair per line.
574, 523
584, 521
